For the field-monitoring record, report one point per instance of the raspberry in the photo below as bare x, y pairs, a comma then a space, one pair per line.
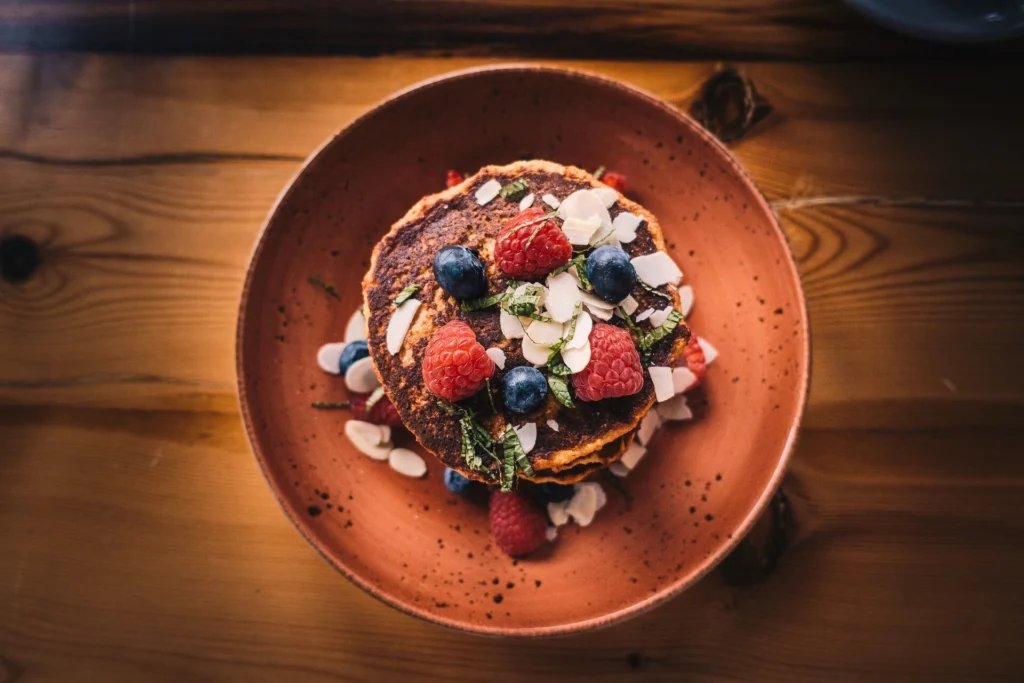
693, 358
614, 367
453, 179
382, 412
614, 180
455, 365
531, 247
517, 526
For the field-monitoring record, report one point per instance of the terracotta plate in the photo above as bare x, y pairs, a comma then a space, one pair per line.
411, 543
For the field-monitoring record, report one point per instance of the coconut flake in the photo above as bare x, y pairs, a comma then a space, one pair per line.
328, 356
596, 301
511, 326
527, 434
583, 204
588, 499
551, 200
683, 379
535, 353
648, 426
563, 295
632, 455
356, 328
625, 225
543, 333
657, 269
675, 409
579, 231
629, 305
551, 533
488, 191
399, 324
644, 316
710, 352
659, 317
360, 378
558, 512
618, 469
577, 359
369, 439
497, 355
581, 335
608, 195
526, 202
662, 378
600, 313
685, 300
552, 425
406, 462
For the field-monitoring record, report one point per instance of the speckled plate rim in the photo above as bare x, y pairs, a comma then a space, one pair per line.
610, 618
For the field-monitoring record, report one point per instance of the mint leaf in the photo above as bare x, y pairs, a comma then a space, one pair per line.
404, 295
514, 191
652, 290
648, 340
480, 304
560, 390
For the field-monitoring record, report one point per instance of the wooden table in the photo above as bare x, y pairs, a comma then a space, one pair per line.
138, 541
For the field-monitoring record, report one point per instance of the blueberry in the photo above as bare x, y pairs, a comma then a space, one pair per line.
556, 493
611, 273
460, 272
524, 389
352, 352
457, 483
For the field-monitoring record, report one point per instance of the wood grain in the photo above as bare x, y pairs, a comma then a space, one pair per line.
140, 543
776, 29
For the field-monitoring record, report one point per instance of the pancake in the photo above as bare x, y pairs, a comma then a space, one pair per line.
405, 256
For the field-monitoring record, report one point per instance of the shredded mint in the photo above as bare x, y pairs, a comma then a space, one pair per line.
633, 329
572, 324
405, 294
647, 341
474, 437
480, 304
514, 191
372, 400
560, 389
490, 396
652, 290
469, 454
509, 442
314, 280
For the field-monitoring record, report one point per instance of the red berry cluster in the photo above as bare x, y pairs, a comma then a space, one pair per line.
455, 365
614, 368
530, 246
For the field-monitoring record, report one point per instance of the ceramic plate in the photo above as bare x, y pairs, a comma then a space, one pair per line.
411, 543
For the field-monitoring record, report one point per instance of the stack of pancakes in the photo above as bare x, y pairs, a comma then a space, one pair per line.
590, 436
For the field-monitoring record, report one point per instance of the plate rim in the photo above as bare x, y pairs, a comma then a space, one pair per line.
671, 590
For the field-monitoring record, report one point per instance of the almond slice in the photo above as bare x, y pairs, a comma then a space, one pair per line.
618, 469
526, 202
600, 313
644, 316
545, 334
535, 353
625, 225
551, 533
487, 192
657, 269
710, 352
662, 379
583, 204
407, 462
497, 355
579, 231
563, 295
608, 195
659, 317
558, 513
648, 426
585, 503
577, 359
399, 324
369, 439
581, 335
685, 300
360, 378
682, 379
629, 305
328, 356
527, 434
632, 455
511, 326
675, 409
551, 200
355, 330
552, 425
596, 301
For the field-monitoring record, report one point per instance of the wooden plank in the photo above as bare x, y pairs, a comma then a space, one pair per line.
774, 29
144, 546
841, 130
